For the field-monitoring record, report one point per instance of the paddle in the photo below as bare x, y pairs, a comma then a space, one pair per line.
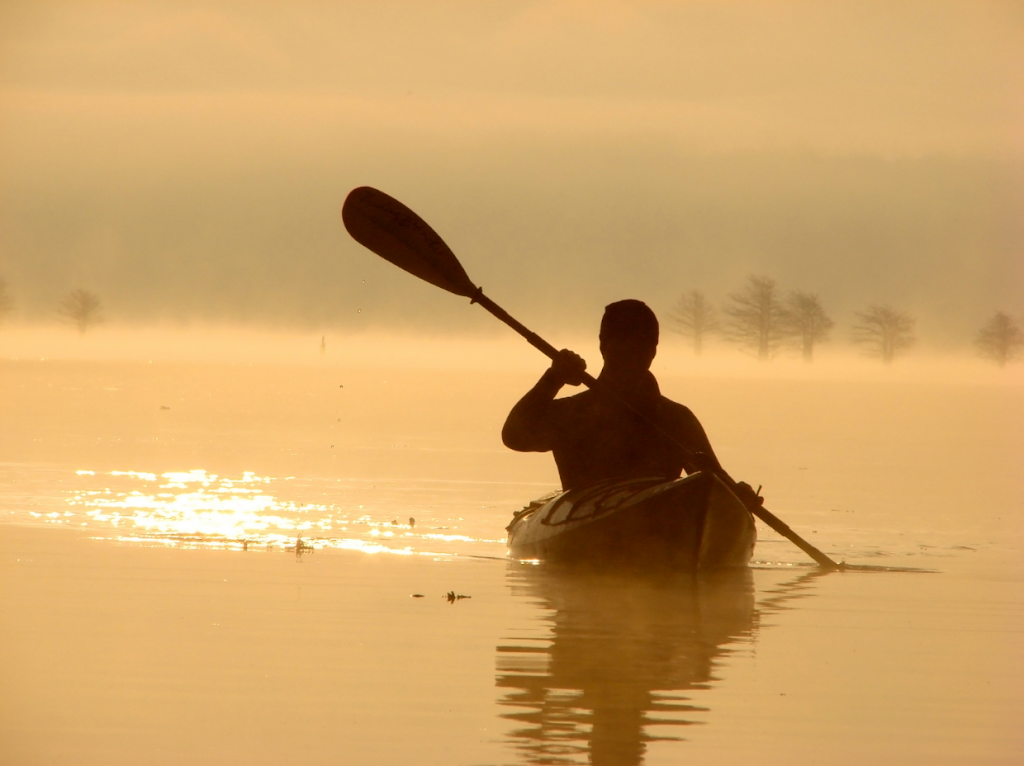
395, 233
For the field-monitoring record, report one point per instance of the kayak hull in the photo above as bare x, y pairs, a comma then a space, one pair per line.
694, 522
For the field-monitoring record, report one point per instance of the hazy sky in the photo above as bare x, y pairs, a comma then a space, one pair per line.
188, 160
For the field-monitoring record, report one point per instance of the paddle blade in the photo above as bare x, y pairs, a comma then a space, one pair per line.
395, 233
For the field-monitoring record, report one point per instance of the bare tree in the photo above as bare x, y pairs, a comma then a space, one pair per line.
6, 301
884, 330
1000, 339
755, 317
80, 308
805, 322
694, 317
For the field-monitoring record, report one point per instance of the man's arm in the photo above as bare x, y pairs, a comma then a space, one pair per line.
528, 427
688, 431
704, 459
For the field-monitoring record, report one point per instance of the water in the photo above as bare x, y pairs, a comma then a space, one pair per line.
222, 563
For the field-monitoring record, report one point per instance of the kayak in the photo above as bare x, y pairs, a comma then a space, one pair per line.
694, 522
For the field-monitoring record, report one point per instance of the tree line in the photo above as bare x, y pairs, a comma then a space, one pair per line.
79, 308
759, 318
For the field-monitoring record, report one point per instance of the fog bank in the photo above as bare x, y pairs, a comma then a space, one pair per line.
188, 162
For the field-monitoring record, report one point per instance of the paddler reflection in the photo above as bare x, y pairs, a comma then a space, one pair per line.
621, 650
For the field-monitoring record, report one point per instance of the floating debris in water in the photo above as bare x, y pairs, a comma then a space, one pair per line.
301, 548
452, 596
412, 522
164, 407
417, 595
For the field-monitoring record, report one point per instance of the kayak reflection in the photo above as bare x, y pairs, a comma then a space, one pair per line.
619, 650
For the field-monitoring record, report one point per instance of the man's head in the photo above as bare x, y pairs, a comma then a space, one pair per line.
629, 336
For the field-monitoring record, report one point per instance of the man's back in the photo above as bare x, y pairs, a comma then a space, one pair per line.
594, 436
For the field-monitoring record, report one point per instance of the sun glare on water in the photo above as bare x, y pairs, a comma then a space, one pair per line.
249, 512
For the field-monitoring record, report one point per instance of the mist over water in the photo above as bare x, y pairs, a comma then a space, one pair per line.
380, 410
555, 249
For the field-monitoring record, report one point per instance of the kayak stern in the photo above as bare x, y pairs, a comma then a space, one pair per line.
694, 522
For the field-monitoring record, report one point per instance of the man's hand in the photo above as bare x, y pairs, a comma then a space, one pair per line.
567, 368
747, 494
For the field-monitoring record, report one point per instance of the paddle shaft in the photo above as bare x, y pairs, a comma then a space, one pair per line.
534, 339
590, 381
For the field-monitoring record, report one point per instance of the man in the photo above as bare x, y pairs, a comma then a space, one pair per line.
594, 435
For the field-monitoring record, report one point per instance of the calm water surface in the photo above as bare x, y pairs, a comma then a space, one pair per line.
235, 564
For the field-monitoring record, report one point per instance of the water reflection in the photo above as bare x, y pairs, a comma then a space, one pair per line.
618, 654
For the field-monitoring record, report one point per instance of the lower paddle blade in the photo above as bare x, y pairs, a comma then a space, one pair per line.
395, 233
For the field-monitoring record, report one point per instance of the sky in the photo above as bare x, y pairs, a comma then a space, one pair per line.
187, 161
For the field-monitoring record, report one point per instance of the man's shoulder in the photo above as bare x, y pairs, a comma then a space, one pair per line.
588, 397
674, 410
668, 404
582, 399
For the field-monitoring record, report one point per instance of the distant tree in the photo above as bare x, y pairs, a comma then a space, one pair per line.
694, 317
1000, 339
755, 317
80, 308
805, 322
884, 330
6, 301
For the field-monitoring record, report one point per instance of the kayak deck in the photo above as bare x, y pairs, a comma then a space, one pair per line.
694, 522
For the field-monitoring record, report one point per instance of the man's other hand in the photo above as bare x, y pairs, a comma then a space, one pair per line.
747, 494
